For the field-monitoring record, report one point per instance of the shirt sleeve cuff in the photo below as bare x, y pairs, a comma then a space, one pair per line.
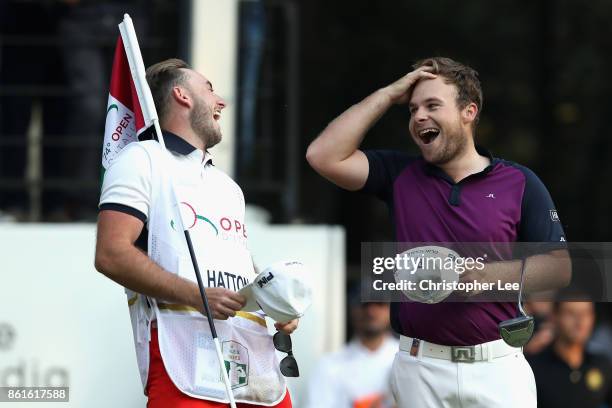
124, 209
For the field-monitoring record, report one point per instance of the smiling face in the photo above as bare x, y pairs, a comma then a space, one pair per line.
438, 126
206, 110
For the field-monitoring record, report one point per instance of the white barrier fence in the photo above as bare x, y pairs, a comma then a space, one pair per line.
64, 324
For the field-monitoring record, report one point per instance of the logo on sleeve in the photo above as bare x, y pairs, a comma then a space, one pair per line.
554, 216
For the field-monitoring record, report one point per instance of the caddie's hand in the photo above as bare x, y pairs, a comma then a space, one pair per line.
288, 327
399, 90
223, 302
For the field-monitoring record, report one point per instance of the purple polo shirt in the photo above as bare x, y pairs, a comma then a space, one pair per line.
505, 202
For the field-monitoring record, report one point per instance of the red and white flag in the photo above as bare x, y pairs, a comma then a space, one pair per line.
124, 116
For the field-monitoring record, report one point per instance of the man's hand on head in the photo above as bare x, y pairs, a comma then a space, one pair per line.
399, 91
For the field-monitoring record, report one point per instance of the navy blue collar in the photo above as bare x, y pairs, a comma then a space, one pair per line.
177, 144
173, 142
434, 170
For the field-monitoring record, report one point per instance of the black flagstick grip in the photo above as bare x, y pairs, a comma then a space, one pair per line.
207, 310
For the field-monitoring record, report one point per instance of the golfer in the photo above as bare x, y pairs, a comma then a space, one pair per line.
451, 354
140, 245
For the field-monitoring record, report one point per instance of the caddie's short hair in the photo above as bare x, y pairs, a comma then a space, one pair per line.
463, 77
162, 77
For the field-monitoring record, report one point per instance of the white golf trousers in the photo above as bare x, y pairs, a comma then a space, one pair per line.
425, 382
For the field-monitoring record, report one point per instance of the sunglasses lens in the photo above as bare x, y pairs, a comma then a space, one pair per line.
289, 367
282, 342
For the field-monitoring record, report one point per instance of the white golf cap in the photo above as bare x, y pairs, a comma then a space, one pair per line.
281, 290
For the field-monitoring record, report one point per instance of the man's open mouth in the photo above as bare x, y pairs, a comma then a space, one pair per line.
428, 135
217, 115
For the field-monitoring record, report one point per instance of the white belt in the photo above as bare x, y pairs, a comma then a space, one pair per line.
461, 354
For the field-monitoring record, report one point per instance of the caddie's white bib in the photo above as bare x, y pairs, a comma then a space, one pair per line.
213, 210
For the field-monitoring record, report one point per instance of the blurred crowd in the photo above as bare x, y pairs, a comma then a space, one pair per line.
357, 375
570, 354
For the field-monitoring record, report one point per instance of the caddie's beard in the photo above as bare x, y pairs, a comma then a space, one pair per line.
203, 124
454, 144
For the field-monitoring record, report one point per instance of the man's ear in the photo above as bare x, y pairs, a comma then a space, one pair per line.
181, 96
469, 113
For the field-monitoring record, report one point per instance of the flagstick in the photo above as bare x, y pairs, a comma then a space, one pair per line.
132, 51
208, 312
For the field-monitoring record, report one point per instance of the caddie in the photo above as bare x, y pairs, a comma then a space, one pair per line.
140, 245
451, 354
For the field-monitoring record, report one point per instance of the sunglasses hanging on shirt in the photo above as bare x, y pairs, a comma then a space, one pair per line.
288, 365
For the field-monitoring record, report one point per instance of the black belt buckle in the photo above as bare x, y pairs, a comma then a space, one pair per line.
463, 354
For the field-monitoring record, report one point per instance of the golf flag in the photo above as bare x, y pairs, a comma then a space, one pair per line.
124, 117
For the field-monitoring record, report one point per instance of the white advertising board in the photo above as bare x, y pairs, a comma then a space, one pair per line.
64, 324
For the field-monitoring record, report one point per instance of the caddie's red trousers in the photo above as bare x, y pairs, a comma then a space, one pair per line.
163, 393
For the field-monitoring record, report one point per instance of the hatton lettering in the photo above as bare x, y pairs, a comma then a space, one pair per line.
220, 279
